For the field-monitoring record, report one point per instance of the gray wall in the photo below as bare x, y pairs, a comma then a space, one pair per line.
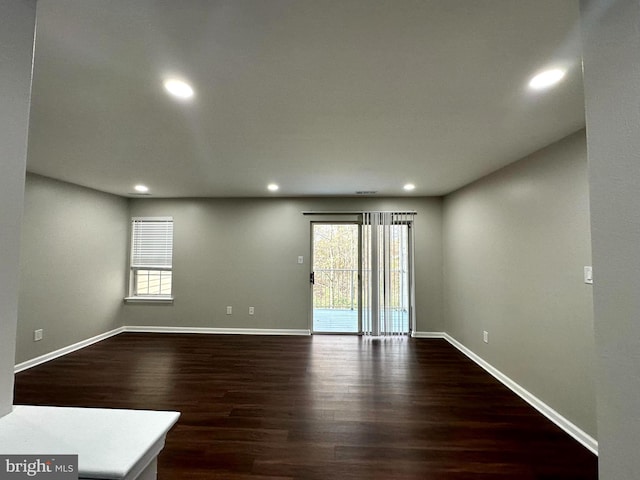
243, 252
17, 21
73, 264
611, 43
516, 243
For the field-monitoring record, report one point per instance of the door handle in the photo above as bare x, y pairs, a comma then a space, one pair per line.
312, 278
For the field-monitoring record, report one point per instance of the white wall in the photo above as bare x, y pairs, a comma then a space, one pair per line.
515, 244
611, 46
73, 264
243, 252
17, 21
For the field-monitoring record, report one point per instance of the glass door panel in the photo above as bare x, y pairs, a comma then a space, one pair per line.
335, 257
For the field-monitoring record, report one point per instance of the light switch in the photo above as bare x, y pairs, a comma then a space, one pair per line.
300, 259
588, 275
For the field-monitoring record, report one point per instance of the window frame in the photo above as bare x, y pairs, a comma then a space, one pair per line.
133, 295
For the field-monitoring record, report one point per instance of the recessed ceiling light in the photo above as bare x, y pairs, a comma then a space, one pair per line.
178, 88
409, 186
141, 188
273, 187
547, 78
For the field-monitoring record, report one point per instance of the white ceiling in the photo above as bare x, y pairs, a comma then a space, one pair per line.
324, 97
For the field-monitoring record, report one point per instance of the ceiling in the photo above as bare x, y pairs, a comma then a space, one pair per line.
323, 97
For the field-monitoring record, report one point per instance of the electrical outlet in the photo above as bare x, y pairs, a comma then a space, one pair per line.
252, 310
229, 310
37, 335
485, 336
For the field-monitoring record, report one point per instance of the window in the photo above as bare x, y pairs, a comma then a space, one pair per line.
151, 258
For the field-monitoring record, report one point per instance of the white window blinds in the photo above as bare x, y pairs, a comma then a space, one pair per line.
152, 242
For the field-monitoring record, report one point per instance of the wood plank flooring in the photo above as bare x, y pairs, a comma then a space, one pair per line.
321, 407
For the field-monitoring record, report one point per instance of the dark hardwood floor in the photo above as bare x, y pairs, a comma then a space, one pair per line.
322, 407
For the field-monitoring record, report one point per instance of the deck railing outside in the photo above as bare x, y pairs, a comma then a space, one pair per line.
338, 288
335, 302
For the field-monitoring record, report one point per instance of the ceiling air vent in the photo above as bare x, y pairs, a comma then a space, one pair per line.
366, 192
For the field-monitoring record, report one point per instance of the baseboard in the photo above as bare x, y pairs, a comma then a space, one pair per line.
65, 350
574, 431
427, 334
218, 331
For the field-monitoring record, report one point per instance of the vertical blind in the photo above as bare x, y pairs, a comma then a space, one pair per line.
152, 242
388, 273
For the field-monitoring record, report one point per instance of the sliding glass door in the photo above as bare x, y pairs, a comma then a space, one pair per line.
335, 279
362, 275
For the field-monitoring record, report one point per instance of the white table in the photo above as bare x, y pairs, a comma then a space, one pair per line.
110, 444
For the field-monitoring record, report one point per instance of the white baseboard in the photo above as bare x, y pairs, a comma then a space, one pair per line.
427, 334
574, 431
218, 331
65, 350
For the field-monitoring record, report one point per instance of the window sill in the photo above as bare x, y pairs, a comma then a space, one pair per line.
157, 300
